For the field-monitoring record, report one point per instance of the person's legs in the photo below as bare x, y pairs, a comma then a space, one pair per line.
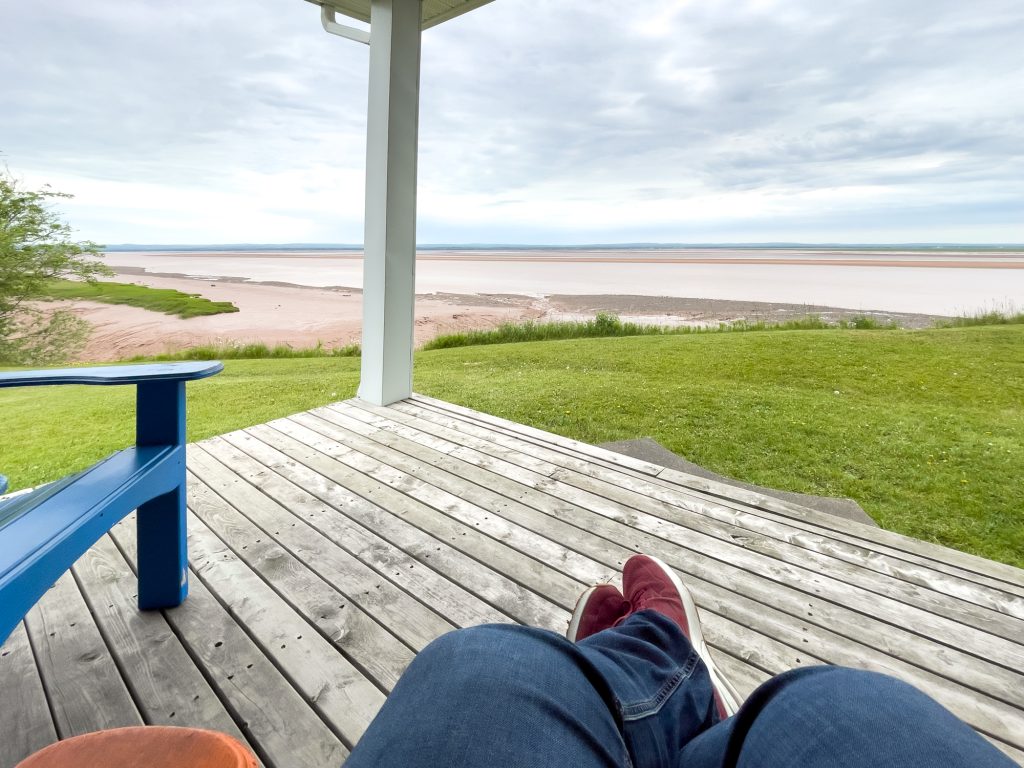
639, 694
631, 689
663, 693
495, 695
502, 695
833, 716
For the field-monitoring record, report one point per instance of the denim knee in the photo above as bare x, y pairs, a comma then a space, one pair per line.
499, 654
495, 694
831, 716
836, 681
484, 643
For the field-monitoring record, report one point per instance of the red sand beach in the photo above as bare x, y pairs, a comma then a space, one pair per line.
300, 298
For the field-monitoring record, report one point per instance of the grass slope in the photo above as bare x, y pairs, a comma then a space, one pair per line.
165, 300
924, 428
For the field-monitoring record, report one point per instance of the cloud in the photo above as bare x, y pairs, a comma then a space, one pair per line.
540, 122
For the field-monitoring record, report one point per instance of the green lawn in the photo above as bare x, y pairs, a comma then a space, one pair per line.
165, 300
924, 428
50, 431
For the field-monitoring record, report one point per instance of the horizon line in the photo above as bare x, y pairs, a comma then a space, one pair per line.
552, 246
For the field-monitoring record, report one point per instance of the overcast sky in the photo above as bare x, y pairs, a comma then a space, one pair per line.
542, 121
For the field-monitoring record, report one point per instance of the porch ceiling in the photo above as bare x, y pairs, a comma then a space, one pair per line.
434, 11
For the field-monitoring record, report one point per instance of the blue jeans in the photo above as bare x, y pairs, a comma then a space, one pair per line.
639, 695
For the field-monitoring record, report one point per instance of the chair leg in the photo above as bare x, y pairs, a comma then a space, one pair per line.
163, 552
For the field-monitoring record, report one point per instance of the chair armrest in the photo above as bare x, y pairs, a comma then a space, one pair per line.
48, 529
113, 374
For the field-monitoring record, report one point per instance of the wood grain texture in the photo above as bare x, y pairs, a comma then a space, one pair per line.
384, 572
971, 563
459, 498
570, 540
977, 600
356, 634
805, 527
165, 683
275, 718
894, 601
345, 700
82, 682
505, 546
816, 619
557, 551
26, 725
346, 555
1007, 681
547, 460
516, 584
391, 517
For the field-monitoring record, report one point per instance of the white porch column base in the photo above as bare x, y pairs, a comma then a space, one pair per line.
389, 264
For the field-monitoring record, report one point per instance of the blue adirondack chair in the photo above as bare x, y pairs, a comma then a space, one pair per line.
43, 532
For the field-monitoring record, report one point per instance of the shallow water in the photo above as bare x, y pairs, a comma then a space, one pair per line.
944, 290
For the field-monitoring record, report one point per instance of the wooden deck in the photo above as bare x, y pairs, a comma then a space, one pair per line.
329, 547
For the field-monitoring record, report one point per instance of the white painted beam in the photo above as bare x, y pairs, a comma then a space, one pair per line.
389, 265
329, 20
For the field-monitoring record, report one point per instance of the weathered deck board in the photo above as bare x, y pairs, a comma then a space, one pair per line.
81, 679
981, 668
1007, 627
423, 533
358, 636
569, 540
391, 540
971, 564
355, 569
929, 592
164, 682
275, 718
328, 548
851, 654
772, 655
716, 627
27, 724
345, 700
504, 546
998, 596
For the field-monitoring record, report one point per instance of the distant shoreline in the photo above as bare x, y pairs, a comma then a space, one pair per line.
952, 248
933, 259
280, 312
934, 283
684, 309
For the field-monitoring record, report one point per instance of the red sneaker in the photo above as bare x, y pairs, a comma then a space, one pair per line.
649, 584
598, 608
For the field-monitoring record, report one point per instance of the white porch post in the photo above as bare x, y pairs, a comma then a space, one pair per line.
389, 264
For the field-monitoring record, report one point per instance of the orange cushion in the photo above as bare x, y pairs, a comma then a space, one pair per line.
152, 746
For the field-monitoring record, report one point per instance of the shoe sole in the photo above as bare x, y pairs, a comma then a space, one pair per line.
730, 696
577, 614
